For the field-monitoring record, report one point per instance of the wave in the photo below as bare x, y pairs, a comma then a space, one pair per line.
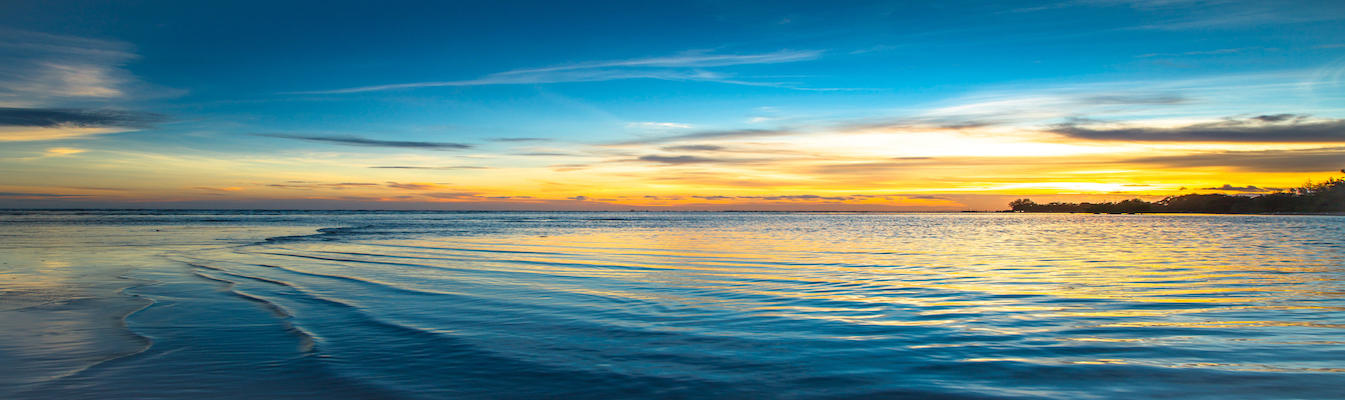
815, 306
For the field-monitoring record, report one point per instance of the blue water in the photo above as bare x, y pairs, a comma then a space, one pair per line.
671, 305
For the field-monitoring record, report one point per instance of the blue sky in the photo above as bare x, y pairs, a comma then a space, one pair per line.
698, 105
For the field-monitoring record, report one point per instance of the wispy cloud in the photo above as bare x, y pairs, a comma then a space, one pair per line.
520, 139
57, 152
304, 185
1244, 189
1303, 160
38, 69
446, 168
1022, 106
693, 59
713, 135
215, 189
36, 195
543, 154
687, 66
348, 140
657, 125
76, 118
1195, 53
694, 147
678, 160
1278, 128
415, 186
452, 195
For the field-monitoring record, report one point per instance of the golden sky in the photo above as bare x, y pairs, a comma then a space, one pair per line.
776, 108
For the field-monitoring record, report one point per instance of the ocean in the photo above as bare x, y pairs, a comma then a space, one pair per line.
434, 305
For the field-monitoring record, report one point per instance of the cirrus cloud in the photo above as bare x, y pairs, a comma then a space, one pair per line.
351, 140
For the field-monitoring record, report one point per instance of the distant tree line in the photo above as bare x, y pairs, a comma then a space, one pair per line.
1320, 197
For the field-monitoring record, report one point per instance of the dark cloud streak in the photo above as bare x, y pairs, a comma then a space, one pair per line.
364, 142
711, 135
1279, 128
76, 118
1307, 160
694, 147
430, 168
1245, 189
679, 160
521, 139
44, 195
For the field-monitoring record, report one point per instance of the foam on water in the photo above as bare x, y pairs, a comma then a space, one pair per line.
710, 305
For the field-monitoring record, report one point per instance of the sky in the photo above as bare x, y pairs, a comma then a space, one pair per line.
686, 105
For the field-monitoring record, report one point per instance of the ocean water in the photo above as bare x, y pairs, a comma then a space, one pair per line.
419, 305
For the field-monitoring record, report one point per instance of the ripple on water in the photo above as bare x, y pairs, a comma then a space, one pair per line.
807, 305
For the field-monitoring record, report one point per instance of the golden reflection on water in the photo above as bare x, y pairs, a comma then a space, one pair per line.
1134, 259
1011, 282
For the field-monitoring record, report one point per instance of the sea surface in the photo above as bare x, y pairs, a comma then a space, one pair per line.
447, 305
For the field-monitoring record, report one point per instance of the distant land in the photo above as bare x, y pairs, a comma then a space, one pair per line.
1323, 197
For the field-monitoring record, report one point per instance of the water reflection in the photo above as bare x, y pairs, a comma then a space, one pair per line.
808, 305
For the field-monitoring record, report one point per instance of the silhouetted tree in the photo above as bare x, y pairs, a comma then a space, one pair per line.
1325, 196
1022, 204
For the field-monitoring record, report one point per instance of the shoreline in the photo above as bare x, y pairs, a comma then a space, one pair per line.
68, 296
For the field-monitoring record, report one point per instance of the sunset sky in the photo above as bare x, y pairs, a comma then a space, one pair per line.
695, 105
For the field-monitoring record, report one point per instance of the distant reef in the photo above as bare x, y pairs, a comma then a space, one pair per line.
1322, 197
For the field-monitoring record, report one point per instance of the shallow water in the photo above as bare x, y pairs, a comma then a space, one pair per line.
671, 305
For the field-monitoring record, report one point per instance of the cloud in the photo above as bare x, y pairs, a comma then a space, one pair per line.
63, 151
414, 186
695, 59
1279, 128
76, 118
682, 67
1246, 189
694, 147
569, 167
1274, 118
542, 154
797, 197
881, 47
812, 197
1124, 99
713, 135
452, 167
91, 188
38, 69
304, 185
1305, 160
211, 189
37, 195
1193, 53
905, 196
34, 124
657, 125
678, 160
450, 195
348, 140
1018, 107
711, 179
880, 167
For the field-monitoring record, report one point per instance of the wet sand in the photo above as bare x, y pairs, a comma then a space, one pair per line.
66, 292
